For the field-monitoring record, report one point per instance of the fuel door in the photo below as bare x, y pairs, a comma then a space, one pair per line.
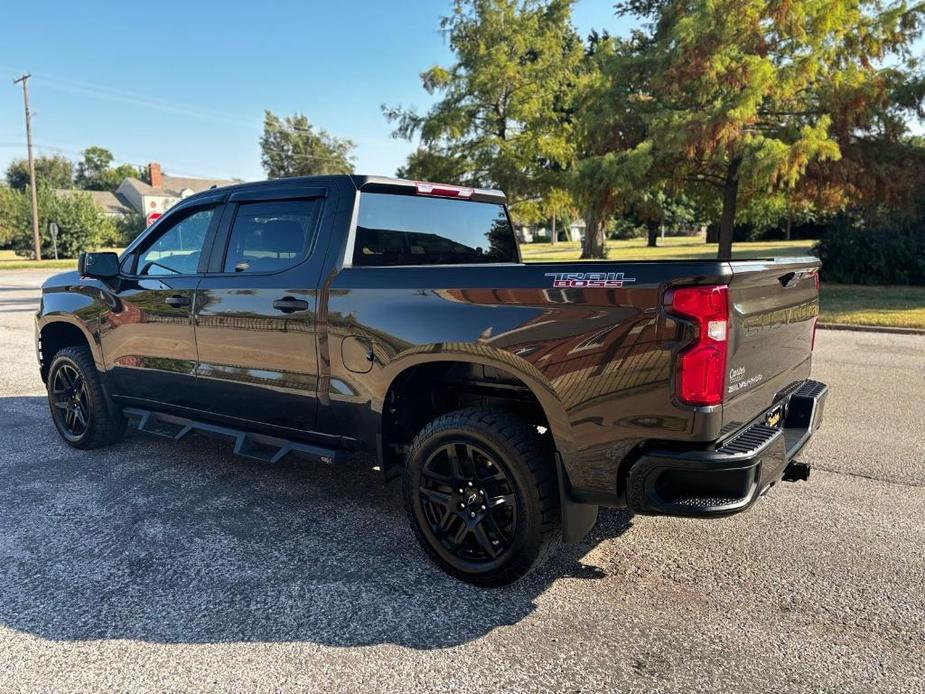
357, 353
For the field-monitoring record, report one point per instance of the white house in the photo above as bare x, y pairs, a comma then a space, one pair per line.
576, 230
528, 233
164, 191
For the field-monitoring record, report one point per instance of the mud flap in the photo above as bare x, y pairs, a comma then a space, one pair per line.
577, 518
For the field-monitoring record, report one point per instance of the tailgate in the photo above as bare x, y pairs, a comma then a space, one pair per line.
773, 307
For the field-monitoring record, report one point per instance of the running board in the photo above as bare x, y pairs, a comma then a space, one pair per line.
262, 447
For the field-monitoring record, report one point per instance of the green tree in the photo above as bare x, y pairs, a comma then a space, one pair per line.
81, 224
740, 93
115, 176
91, 172
429, 165
615, 166
557, 207
882, 167
54, 171
601, 183
655, 207
502, 119
293, 147
95, 171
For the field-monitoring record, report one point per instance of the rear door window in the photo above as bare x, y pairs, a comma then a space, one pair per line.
413, 230
271, 236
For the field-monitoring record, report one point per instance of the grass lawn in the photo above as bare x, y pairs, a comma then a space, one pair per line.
894, 307
10, 261
672, 248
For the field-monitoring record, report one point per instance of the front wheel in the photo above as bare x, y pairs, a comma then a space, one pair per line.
78, 406
481, 494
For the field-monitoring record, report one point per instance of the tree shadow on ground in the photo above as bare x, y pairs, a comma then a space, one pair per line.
180, 542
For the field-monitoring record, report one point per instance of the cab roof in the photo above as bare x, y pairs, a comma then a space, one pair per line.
363, 183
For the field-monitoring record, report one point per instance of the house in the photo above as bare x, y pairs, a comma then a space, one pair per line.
163, 192
151, 200
523, 233
112, 204
576, 230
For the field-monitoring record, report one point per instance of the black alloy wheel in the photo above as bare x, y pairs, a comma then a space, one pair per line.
78, 404
468, 501
482, 495
70, 400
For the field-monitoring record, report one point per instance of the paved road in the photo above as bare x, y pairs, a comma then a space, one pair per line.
155, 566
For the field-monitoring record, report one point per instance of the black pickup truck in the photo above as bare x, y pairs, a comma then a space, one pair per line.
348, 313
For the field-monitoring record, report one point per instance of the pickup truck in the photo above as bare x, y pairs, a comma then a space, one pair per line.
324, 315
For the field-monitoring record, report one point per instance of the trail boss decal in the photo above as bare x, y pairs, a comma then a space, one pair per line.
608, 280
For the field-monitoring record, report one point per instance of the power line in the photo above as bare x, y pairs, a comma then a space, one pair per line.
53, 149
143, 100
93, 90
105, 92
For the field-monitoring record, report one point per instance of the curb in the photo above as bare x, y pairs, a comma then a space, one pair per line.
871, 328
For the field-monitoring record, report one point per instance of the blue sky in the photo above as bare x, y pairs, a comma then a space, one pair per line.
186, 83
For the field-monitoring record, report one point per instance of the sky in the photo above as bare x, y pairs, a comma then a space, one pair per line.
186, 83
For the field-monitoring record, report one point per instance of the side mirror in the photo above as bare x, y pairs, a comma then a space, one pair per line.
102, 266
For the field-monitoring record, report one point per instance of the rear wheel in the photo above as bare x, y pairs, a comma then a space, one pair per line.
78, 406
481, 494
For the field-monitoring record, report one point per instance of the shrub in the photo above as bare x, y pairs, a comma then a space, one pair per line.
125, 228
81, 224
881, 253
625, 229
7, 205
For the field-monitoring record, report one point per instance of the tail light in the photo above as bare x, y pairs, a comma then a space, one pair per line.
701, 367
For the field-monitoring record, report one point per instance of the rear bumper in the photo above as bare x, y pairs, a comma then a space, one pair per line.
730, 478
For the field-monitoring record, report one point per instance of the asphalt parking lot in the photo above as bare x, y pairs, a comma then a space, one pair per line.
159, 566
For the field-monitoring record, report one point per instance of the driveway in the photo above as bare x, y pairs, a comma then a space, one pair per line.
155, 565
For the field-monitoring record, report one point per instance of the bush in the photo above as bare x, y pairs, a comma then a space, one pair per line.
7, 205
125, 229
625, 229
81, 224
884, 253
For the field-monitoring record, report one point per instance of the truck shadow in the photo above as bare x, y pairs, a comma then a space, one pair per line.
181, 542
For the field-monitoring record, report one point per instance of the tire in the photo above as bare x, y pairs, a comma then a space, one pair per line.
513, 496
77, 403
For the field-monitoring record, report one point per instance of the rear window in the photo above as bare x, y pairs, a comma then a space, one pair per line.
411, 230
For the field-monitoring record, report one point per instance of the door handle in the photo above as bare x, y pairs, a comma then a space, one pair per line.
289, 305
176, 300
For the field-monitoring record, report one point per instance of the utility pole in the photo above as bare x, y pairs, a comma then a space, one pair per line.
35, 202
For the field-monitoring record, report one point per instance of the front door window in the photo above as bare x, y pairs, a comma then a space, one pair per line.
178, 249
